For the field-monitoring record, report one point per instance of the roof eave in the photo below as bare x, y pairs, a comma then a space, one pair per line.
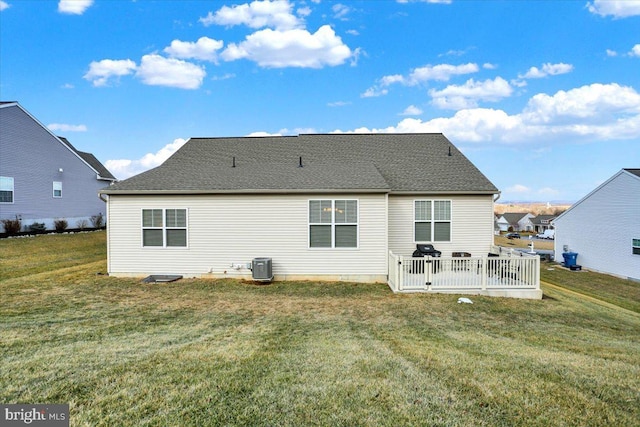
244, 191
444, 192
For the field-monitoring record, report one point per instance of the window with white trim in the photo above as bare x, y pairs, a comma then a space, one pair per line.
636, 247
333, 223
57, 189
432, 221
6, 189
164, 228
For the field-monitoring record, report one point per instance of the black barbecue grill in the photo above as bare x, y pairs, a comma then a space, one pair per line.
423, 250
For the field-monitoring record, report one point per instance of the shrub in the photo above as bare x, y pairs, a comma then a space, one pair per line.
82, 224
37, 227
60, 224
97, 220
12, 226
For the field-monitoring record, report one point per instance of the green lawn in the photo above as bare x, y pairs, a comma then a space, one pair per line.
204, 352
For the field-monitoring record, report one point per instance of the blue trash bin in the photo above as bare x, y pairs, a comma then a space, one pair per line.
570, 258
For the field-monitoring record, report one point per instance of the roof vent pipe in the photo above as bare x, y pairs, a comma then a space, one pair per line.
449, 151
234, 162
300, 163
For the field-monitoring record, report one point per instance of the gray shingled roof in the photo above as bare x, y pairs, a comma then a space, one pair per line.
636, 172
102, 171
342, 162
514, 217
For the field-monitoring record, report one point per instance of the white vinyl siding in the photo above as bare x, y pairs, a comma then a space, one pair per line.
601, 226
471, 224
333, 223
432, 221
6, 189
224, 230
57, 189
164, 228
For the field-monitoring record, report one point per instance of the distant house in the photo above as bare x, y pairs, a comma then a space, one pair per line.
42, 176
327, 207
611, 246
515, 221
542, 222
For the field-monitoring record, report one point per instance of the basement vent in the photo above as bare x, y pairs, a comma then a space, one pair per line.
161, 278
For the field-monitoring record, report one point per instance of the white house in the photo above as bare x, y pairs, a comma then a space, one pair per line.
520, 221
610, 246
325, 207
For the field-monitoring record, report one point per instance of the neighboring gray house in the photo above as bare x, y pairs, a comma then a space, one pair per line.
515, 221
604, 227
327, 207
42, 176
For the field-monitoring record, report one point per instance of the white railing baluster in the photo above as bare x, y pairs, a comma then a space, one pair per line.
508, 270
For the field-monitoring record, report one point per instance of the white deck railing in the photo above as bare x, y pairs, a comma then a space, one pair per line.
502, 269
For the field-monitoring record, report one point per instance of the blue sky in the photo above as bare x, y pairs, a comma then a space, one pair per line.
543, 96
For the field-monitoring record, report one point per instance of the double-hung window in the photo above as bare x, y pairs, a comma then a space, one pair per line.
164, 228
432, 221
333, 223
57, 189
6, 189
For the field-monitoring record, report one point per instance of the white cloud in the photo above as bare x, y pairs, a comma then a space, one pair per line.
304, 11
548, 69
615, 8
60, 127
261, 134
338, 104
411, 110
489, 66
373, 92
100, 72
611, 52
156, 70
340, 11
518, 188
584, 106
291, 48
635, 51
123, 168
441, 72
223, 77
74, 7
258, 14
457, 97
4, 5
591, 112
204, 49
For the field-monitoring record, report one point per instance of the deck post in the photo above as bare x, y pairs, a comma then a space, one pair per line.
484, 269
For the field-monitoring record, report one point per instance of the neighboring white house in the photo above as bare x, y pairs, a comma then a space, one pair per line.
320, 206
519, 221
42, 176
610, 246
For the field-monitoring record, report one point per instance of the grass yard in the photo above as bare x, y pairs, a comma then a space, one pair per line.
204, 352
